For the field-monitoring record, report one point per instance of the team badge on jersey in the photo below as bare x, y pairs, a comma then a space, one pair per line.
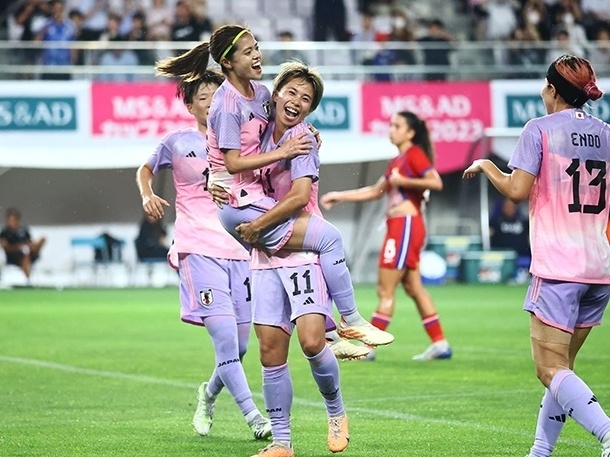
206, 296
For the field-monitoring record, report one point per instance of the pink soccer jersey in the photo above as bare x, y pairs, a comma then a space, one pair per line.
568, 152
235, 122
197, 229
277, 179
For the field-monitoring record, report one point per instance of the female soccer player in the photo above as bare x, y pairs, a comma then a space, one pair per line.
215, 289
561, 162
238, 116
405, 182
289, 289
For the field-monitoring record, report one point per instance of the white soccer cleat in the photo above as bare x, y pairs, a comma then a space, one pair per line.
204, 414
436, 351
606, 452
260, 427
344, 350
364, 332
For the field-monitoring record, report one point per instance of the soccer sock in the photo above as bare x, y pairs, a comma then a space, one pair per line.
332, 336
325, 370
243, 337
551, 419
577, 399
324, 238
277, 390
223, 331
433, 328
381, 321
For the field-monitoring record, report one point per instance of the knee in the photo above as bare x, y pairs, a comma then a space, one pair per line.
271, 356
545, 374
312, 345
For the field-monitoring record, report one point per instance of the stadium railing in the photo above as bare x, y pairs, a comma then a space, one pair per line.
335, 60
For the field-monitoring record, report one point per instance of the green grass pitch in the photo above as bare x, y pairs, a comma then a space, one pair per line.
114, 373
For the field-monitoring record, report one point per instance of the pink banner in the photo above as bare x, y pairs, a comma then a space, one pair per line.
456, 114
137, 110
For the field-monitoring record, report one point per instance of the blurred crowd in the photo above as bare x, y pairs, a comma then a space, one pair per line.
528, 33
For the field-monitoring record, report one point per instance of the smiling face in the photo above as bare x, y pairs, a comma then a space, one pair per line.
293, 102
246, 59
200, 105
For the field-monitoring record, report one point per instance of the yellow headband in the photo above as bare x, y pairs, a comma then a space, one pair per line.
237, 37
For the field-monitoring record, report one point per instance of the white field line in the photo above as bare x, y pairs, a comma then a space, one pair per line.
301, 401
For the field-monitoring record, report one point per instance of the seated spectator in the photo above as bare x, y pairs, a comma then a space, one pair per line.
150, 243
17, 243
116, 56
561, 45
95, 13
509, 229
438, 53
599, 53
577, 34
367, 34
596, 13
159, 21
187, 26
527, 48
401, 33
57, 28
285, 54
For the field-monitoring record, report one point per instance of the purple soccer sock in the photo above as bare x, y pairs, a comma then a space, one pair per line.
551, 419
277, 390
223, 331
577, 399
325, 370
323, 237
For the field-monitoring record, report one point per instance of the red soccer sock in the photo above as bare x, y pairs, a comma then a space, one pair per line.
381, 321
432, 325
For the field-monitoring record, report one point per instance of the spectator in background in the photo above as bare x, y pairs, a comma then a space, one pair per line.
367, 34
330, 17
565, 6
17, 243
561, 45
599, 53
509, 229
596, 13
438, 53
31, 16
400, 33
139, 32
285, 54
95, 13
159, 21
151, 243
536, 19
577, 35
56, 29
527, 48
187, 26
114, 56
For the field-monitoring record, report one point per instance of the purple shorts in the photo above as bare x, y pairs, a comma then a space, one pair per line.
274, 238
282, 295
214, 287
567, 305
